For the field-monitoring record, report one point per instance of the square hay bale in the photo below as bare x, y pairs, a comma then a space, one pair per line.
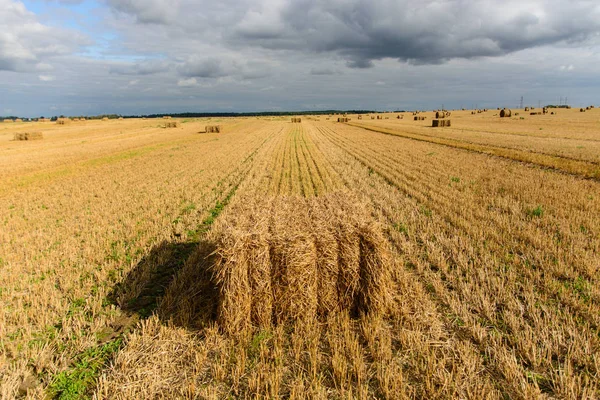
304, 260
296, 120
167, 117
440, 123
8, 120
105, 119
172, 124
29, 136
63, 121
419, 118
343, 119
213, 129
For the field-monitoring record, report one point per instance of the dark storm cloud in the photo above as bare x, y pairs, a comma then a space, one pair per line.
361, 31
427, 32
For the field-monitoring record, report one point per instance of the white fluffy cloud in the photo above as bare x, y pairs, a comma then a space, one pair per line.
26, 44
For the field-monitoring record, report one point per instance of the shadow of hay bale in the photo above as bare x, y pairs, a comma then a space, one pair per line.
173, 280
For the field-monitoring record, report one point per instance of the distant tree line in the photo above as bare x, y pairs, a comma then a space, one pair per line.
250, 114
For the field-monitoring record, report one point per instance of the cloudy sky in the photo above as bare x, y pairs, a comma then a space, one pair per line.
84, 57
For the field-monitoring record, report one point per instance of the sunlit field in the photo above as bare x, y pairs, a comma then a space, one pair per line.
375, 258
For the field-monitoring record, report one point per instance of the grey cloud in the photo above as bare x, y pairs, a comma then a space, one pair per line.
211, 68
322, 71
141, 68
148, 11
203, 68
361, 31
431, 32
360, 63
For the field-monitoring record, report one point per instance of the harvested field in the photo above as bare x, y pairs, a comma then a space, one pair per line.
378, 258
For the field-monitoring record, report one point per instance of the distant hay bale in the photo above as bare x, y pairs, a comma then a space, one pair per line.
28, 136
63, 121
311, 257
213, 129
343, 119
360, 117
526, 108
18, 120
440, 123
172, 124
581, 110
296, 120
505, 113
8, 120
105, 119
120, 118
419, 118
167, 117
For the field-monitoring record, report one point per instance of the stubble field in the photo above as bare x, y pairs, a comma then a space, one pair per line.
379, 258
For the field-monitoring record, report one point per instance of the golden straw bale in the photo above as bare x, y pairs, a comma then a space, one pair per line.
28, 136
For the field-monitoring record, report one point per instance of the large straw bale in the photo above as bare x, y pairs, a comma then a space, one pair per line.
28, 136
213, 129
307, 258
